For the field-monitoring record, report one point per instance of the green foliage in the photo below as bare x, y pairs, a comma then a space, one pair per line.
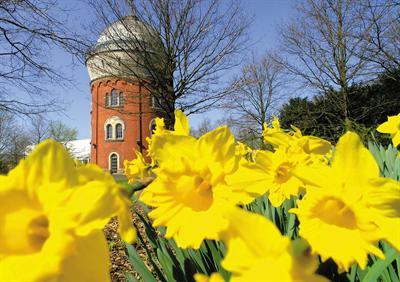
384, 269
322, 116
169, 262
387, 160
285, 221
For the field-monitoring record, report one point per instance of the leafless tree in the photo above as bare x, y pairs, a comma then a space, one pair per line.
13, 142
17, 148
243, 134
205, 126
320, 47
383, 40
257, 94
7, 127
39, 128
190, 45
29, 29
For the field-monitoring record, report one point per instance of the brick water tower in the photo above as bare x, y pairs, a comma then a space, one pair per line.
123, 109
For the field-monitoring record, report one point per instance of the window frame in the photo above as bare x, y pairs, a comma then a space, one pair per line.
109, 126
119, 125
114, 98
111, 163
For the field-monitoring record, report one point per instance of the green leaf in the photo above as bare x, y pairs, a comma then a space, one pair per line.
138, 264
168, 266
199, 258
379, 267
129, 277
352, 274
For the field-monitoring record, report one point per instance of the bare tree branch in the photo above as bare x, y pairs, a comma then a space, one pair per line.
256, 94
178, 50
29, 30
325, 46
383, 40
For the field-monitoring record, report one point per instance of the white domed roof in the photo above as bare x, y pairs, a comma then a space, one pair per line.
120, 47
128, 28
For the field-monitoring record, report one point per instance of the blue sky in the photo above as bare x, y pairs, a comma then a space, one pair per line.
263, 35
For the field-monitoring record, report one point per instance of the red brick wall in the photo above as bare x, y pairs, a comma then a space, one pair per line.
129, 113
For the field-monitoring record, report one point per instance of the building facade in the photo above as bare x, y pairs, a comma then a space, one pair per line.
122, 110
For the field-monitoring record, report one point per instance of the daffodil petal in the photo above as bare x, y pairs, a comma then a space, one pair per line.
215, 277
256, 250
396, 139
87, 260
181, 126
391, 126
384, 197
219, 145
350, 154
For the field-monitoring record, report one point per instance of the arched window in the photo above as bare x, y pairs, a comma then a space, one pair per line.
109, 131
114, 98
118, 130
113, 163
114, 128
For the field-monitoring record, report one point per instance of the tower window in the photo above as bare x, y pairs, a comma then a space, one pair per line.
113, 163
114, 128
114, 98
118, 130
109, 131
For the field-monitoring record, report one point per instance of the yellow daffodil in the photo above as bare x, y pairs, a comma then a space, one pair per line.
314, 149
312, 145
242, 149
119, 202
275, 135
295, 142
392, 127
52, 215
160, 127
215, 277
385, 211
270, 172
347, 207
181, 127
137, 169
190, 194
256, 251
